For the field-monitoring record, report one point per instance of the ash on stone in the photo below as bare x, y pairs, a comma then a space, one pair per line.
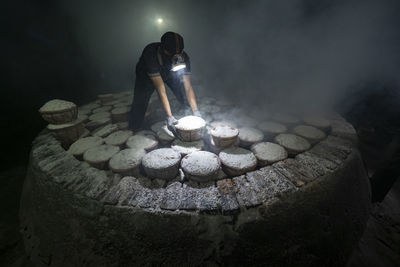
101, 109
59, 111
127, 161
237, 161
187, 147
79, 147
99, 156
100, 115
106, 130
139, 141
292, 143
268, 153
249, 136
162, 163
165, 135
312, 134
201, 166
223, 136
118, 138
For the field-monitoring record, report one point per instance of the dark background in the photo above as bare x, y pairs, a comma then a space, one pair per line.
288, 55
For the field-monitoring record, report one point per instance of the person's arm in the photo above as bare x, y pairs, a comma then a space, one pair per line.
160, 86
190, 95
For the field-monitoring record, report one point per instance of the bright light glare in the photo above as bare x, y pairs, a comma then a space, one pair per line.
160, 20
178, 67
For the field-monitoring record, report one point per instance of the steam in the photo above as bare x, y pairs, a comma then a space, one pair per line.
288, 55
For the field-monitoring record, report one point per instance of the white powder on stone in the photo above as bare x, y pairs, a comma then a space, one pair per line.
56, 105
118, 138
53, 127
272, 127
224, 131
200, 163
292, 143
100, 153
187, 147
164, 134
139, 141
106, 130
161, 158
251, 135
126, 159
100, 115
237, 158
223, 123
80, 146
309, 132
157, 126
190, 123
101, 109
267, 151
121, 110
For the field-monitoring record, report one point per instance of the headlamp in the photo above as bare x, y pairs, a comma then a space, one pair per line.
178, 62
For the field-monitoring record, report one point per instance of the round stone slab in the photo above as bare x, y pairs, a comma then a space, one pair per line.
100, 115
294, 144
101, 109
190, 128
157, 126
99, 156
120, 114
105, 130
249, 136
162, 163
268, 153
140, 141
223, 123
271, 128
312, 134
187, 147
318, 122
118, 138
95, 124
58, 111
165, 135
82, 145
201, 166
237, 160
127, 161
224, 136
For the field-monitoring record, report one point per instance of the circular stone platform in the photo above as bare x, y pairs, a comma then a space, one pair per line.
308, 210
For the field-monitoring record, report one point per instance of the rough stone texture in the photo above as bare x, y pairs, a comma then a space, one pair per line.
75, 215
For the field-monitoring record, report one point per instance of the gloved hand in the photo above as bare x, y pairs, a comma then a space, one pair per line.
171, 122
197, 113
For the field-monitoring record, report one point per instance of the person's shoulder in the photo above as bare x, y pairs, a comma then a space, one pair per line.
152, 47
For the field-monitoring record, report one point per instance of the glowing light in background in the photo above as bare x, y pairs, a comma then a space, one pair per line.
160, 21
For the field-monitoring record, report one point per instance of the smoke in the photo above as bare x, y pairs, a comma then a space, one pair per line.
284, 54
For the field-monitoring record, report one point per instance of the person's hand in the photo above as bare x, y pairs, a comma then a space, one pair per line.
197, 113
171, 122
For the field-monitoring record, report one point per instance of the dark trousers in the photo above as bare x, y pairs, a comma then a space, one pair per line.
143, 90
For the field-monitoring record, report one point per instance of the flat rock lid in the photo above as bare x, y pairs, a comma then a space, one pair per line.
270, 152
187, 147
118, 138
101, 109
157, 126
223, 123
200, 163
99, 122
237, 158
292, 142
161, 158
80, 146
272, 127
140, 141
190, 123
164, 134
120, 110
53, 127
249, 134
56, 105
317, 121
100, 153
106, 130
224, 131
126, 159
309, 132
100, 115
